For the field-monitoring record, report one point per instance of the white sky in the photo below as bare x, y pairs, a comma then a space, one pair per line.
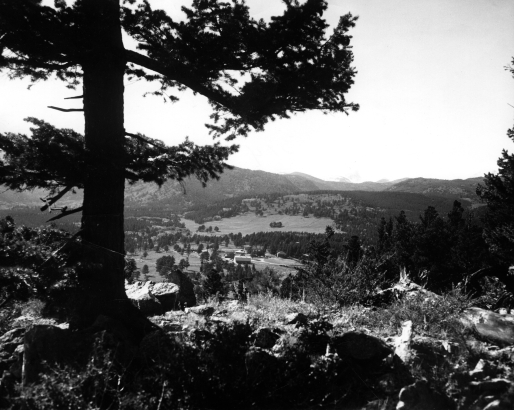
431, 84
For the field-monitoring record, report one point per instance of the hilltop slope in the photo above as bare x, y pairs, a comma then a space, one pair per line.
449, 188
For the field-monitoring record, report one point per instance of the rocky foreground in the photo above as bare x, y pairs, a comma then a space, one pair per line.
268, 352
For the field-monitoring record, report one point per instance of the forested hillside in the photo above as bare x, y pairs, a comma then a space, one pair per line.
238, 182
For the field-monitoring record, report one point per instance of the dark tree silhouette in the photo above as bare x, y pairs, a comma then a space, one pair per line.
276, 69
498, 193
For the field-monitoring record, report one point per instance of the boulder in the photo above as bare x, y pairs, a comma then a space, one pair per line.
156, 298
167, 294
489, 326
140, 294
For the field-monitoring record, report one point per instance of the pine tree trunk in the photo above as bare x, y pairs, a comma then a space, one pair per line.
101, 281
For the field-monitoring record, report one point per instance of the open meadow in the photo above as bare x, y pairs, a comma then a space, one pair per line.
249, 223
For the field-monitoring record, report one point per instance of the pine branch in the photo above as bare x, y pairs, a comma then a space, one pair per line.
177, 72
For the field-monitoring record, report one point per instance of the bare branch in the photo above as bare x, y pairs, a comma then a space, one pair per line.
143, 139
73, 98
54, 199
66, 213
40, 64
65, 109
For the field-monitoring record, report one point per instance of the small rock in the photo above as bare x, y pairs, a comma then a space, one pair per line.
496, 404
170, 326
402, 343
202, 310
492, 386
298, 319
240, 316
483, 369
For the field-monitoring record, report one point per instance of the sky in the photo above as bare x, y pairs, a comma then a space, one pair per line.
431, 84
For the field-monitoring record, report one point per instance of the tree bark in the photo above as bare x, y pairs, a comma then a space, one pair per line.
101, 280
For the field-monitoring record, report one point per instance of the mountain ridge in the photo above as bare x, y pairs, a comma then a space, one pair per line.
241, 181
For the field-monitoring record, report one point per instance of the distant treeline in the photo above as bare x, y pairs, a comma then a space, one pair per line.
294, 244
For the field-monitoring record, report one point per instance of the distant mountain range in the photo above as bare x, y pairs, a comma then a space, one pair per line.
239, 181
458, 188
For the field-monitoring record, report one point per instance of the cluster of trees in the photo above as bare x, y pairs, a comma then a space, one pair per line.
209, 229
294, 244
236, 281
438, 251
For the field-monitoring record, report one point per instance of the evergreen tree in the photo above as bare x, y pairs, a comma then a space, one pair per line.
131, 272
353, 250
291, 66
213, 283
165, 263
498, 193
183, 264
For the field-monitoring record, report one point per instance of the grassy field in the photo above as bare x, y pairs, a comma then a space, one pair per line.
250, 223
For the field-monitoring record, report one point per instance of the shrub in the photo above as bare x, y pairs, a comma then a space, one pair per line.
337, 281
